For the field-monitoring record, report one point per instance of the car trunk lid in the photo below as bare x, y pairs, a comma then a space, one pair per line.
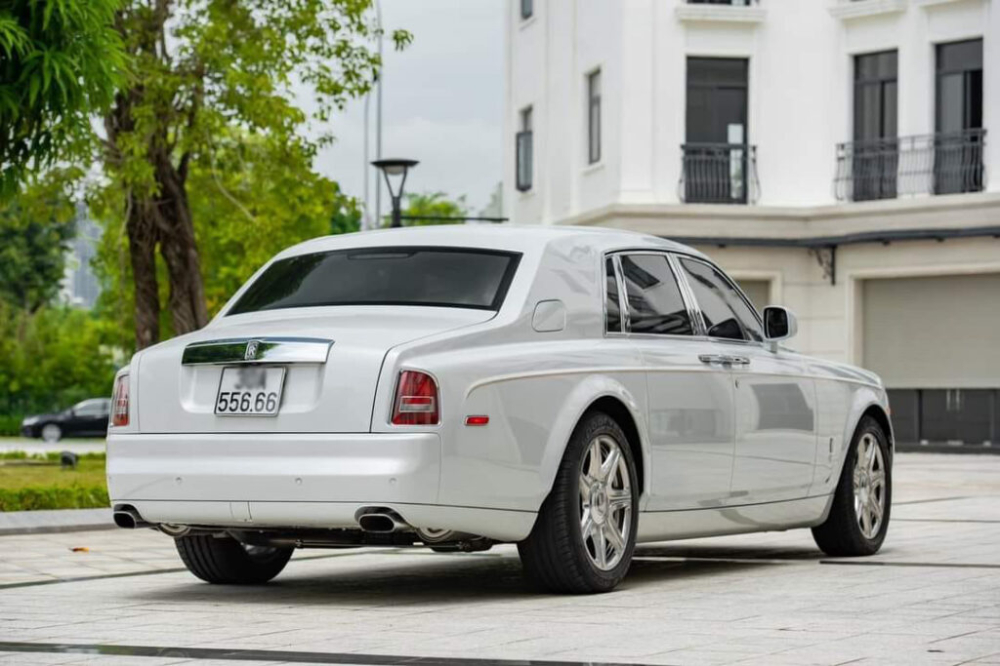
332, 358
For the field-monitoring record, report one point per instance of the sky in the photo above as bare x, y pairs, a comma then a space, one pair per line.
442, 103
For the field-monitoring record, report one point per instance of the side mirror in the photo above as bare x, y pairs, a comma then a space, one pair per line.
779, 324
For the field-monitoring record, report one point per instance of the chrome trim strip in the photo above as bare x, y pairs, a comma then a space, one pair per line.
257, 350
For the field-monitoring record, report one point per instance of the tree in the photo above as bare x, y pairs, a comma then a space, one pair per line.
256, 197
35, 229
436, 206
202, 68
60, 62
52, 358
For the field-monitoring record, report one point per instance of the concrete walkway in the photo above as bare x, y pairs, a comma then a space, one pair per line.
931, 596
68, 520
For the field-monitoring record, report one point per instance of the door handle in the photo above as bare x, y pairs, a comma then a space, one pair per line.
724, 359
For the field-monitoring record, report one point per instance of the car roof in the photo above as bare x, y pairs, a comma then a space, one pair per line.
510, 237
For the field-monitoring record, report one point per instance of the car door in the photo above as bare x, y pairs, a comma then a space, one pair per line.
775, 398
689, 415
89, 418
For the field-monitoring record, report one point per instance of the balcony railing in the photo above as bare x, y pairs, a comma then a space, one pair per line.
944, 163
735, 3
723, 173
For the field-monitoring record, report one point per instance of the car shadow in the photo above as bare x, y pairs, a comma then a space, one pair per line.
438, 580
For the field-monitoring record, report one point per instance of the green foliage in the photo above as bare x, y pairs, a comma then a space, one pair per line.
252, 199
10, 425
38, 498
60, 61
52, 359
29, 484
35, 229
434, 205
220, 65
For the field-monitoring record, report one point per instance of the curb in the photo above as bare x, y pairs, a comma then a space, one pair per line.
963, 449
55, 521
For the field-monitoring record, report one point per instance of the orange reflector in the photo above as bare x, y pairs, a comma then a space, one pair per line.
480, 420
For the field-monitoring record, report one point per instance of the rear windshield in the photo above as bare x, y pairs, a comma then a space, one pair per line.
429, 276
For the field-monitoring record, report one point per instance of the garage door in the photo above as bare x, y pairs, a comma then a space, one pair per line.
933, 341
758, 291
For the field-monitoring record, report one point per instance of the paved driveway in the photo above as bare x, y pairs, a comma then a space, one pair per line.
39, 446
932, 596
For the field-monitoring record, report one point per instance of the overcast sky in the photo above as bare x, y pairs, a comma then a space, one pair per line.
442, 103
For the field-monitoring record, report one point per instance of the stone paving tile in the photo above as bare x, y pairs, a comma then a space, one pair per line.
754, 599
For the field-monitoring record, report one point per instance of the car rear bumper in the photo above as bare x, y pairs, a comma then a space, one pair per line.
292, 480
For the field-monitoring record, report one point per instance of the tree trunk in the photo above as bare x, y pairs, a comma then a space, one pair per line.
188, 310
142, 236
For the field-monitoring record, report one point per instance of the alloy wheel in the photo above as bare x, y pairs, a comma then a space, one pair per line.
869, 486
605, 502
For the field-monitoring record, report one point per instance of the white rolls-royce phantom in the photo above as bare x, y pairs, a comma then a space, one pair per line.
573, 391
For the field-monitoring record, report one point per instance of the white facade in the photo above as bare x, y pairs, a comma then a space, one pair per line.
796, 241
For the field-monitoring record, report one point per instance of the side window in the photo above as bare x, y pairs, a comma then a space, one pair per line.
613, 311
88, 408
655, 304
725, 312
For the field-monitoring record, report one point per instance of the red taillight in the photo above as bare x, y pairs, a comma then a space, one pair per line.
416, 400
119, 402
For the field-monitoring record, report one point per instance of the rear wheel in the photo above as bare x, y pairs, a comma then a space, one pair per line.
51, 432
226, 561
584, 536
859, 517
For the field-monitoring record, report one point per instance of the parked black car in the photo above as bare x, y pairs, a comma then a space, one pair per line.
84, 419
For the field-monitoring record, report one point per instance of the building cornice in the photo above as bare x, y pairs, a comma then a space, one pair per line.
953, 211
720, 13
855, 9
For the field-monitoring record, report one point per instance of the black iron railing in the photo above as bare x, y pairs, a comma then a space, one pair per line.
718, 173
737, 3
943, 163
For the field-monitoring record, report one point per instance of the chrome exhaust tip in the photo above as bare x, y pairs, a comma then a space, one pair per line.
127, 518
378, 520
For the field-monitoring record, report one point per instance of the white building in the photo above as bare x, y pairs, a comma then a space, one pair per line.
837, 157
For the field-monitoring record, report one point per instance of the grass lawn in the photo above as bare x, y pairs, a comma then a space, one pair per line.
25, 487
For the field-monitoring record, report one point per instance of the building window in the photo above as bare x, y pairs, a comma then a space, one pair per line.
525, 151
958, 144
594, 117
718, 162
527, 9
875, 159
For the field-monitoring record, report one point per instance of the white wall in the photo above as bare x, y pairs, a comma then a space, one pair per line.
800, 99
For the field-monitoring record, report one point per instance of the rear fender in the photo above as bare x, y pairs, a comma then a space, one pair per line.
572, 409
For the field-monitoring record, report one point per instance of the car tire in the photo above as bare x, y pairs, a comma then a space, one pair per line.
226, 561
563, 552
51, 432
864, 493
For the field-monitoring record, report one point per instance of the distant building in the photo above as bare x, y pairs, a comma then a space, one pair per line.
835, 156
80, 287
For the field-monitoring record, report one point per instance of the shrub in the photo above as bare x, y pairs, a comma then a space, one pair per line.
36, 498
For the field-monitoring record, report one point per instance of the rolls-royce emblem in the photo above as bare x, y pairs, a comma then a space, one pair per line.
251, 352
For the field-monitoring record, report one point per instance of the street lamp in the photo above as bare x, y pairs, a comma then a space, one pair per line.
394, 171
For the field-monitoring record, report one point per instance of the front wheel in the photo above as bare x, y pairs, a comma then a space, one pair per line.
859, 517
226, 561
583, 539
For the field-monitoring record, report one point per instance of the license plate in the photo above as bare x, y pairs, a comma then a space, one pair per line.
250, 390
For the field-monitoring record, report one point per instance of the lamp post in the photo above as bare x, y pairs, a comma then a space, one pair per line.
395, 171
